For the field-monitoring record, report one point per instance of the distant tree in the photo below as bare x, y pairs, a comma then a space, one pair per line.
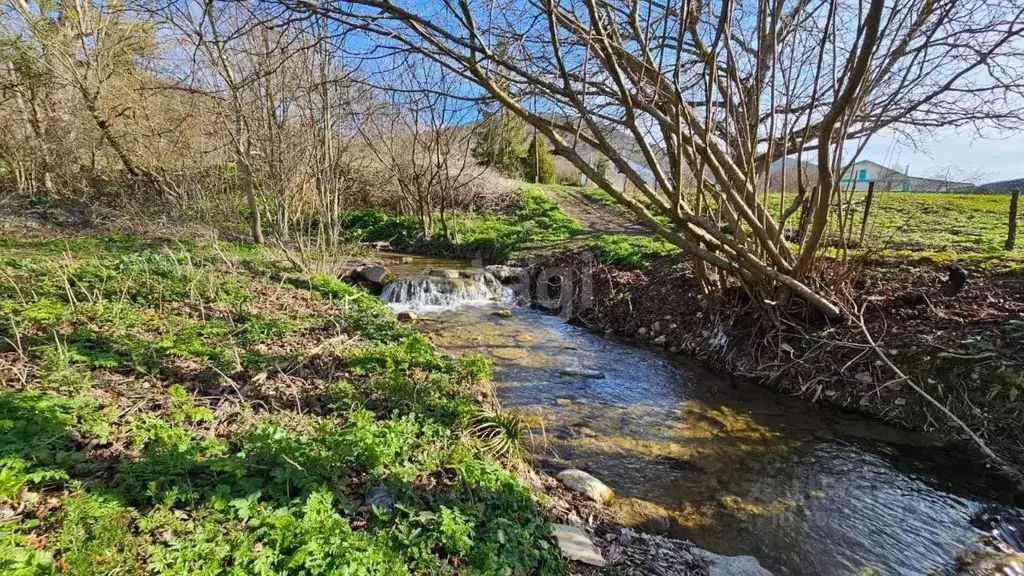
539, 164
499, 143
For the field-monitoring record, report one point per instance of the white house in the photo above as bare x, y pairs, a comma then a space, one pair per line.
861, 174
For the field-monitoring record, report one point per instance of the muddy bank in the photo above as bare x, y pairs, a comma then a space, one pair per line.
966, 351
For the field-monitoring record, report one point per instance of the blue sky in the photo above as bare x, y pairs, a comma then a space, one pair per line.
998, 156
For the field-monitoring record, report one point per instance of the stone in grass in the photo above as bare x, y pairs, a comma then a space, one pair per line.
576, 545
582, 483
380, 498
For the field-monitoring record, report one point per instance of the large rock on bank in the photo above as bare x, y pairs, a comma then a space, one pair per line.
582, 483
372, 278
639, 554
730, 565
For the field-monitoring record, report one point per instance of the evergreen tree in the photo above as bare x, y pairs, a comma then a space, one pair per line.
602, 164
538, 164
499, 143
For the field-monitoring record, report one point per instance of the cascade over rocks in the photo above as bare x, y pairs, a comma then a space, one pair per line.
444, 288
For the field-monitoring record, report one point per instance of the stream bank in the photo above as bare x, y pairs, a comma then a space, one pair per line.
722, 462
965, 351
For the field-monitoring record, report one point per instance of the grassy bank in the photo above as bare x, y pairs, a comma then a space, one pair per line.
536, 223
175, 408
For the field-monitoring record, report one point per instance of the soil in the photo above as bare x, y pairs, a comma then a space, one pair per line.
594, 216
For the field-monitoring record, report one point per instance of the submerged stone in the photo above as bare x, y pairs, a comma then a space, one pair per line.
582, 483
581, 372
504, 274
642, 514
449, 274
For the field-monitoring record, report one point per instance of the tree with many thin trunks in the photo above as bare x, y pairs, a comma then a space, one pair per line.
717, 91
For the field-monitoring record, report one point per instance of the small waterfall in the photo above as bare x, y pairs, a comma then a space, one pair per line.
444, 289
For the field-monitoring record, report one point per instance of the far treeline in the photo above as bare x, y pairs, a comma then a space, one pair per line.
286, 114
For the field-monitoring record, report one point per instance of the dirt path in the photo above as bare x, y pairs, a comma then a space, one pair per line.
592, 215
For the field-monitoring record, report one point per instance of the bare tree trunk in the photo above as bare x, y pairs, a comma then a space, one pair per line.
255, 221
1011, 234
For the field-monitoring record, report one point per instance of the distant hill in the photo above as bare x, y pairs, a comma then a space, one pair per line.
1003, 186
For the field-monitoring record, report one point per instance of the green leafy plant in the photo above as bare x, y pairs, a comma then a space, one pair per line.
502, 433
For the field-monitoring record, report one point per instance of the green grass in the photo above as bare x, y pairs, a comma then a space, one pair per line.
629, 251
164, 410
902, 223
913, 225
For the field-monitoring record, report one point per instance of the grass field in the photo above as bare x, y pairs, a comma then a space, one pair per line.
937, 222
923, 224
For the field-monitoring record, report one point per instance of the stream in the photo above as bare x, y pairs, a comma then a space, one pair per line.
740, 470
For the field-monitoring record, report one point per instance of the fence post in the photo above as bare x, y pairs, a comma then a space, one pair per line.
1011, 234
867, 210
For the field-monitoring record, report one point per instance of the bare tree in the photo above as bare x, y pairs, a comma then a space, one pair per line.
422, 136
90, 51
720, 90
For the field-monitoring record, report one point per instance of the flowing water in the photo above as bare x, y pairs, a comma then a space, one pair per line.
739, 470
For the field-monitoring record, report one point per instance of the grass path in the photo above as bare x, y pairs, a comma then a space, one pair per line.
593, 215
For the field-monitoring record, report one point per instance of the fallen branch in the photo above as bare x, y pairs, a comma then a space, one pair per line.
885, 358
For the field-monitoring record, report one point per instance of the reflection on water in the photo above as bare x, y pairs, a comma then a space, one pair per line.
739, 470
